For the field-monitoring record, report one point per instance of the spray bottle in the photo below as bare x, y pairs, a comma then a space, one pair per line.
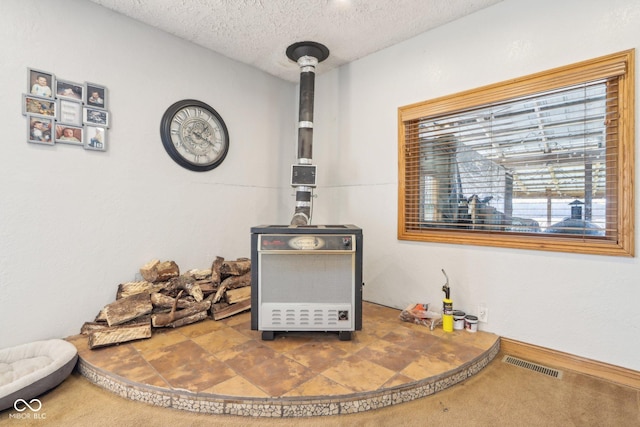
447, 307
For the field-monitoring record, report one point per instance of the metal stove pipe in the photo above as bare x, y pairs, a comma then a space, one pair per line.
307, 55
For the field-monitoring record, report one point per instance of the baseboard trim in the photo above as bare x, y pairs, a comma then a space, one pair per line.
558, 359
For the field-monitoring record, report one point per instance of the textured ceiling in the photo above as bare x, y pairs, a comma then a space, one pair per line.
258, 32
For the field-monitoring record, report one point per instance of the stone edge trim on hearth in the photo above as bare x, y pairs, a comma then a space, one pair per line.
283, 407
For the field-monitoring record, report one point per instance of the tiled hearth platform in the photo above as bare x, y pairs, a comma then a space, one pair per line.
223, 367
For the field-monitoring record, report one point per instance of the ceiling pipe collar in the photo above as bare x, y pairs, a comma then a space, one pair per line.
312, 49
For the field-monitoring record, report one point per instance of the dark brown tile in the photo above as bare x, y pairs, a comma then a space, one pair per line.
285, 342
200, 328
319, 386
249, 353
412, 340
161, 339
358, 374
220, 340
277, 376
392, 356
453, 353
114, 357
188, 366
397, 380
238, 319
317, 356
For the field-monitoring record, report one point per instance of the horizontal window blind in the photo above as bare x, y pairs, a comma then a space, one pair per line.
540, 164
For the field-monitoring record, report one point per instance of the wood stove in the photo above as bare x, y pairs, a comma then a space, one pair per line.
306, 278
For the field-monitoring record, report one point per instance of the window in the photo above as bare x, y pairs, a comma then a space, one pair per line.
541, 162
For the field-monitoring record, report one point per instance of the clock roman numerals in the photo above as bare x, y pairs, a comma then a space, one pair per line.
194, 135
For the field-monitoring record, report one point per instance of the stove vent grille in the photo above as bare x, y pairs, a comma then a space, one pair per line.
292, 317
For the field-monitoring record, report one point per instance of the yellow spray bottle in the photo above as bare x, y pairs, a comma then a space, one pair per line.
447, 307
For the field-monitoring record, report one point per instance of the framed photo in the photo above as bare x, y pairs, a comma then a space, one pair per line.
40, 83
95, 116
36, 106
68, 134
95, 95
70, 90
39, 130
70, 112
95, 138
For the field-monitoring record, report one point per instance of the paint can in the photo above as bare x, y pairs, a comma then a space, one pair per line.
458, 320
471, 323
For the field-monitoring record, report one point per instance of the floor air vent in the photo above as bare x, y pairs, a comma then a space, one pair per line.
550, 372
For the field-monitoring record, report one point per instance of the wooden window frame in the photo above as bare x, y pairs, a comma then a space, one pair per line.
622, 66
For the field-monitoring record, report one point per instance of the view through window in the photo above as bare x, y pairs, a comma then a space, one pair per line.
542, 162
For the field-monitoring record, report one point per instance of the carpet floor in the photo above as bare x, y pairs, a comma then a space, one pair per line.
500, 395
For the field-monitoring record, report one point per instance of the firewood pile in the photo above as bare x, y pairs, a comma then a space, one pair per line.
168, 299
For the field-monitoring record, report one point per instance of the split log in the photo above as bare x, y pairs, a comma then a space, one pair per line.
215, 270
167, 270
234, 296
206, 286
219, 293
162, 301
236, 268
132, 288
187, 284
199, 274
223, 310
165, 319
119, 334
156, 271
149, 271
128, 308
233, 282
189, 319
89, 327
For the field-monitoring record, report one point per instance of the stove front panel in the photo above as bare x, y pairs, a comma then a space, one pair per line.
303, 279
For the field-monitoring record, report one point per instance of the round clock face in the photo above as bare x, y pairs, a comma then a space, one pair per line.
194, 135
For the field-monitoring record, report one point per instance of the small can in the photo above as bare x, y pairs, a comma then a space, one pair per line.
471, 323
458, 320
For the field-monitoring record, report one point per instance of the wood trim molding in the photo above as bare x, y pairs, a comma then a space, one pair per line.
558, 359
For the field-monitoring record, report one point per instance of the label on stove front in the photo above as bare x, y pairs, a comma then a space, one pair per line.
306, 242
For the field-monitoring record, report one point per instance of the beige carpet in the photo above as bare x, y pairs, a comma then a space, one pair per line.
500, 395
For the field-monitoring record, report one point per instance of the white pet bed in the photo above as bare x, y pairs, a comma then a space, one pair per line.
28, 370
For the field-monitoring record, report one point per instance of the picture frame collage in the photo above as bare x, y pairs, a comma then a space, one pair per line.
65, 112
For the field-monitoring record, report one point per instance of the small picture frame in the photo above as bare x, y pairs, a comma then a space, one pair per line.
70, 112
39, 130
95, 95
95, 138
66, 134
69, 90
95, 116
37, 106
40, 83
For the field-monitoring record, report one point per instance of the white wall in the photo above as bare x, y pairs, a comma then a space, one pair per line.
580, 304
75, 223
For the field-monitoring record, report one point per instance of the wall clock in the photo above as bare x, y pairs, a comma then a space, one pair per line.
194, 135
